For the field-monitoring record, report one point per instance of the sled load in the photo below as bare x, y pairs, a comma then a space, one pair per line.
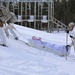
50, 47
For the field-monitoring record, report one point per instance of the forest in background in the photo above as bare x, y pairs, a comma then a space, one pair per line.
64, 10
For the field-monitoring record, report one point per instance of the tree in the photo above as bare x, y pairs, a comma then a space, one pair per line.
65, 10
71, 8
58, 10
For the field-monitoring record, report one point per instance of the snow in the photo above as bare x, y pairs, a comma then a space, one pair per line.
21, 59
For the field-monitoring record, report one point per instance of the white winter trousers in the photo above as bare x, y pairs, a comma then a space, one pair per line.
10, 27
73, 43
2, 36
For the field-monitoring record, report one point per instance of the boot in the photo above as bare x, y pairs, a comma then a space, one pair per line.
16, 38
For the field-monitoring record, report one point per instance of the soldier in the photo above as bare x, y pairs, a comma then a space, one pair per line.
71, 33
10, 26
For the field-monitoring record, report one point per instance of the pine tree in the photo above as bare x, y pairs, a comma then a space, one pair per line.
71, 7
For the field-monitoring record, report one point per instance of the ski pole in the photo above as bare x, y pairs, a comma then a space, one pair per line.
66, 44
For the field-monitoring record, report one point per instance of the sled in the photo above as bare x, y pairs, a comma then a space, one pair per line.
50, 47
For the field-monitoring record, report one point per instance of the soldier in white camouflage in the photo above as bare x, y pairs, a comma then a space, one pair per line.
10, 26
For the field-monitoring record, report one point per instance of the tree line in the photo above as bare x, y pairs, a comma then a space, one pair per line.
64, 10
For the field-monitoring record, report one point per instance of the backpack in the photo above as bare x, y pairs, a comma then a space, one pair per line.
4, 13
4, 10
13, 18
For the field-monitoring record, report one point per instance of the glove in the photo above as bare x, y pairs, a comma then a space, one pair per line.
67, 47
71, 36
67, 31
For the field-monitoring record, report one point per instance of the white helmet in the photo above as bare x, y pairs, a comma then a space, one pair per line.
71, 24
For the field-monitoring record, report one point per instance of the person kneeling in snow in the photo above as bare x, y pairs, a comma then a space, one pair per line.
10, 26
71, 32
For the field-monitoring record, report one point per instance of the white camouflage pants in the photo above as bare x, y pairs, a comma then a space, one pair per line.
10, 27
73, 43
2, 36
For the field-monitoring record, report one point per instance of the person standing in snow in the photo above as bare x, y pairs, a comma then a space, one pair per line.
10, 26
71, 33
2, 36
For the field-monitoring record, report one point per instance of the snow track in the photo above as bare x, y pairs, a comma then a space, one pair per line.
21, 59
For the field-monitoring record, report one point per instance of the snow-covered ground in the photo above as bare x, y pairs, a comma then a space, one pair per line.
21, 59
